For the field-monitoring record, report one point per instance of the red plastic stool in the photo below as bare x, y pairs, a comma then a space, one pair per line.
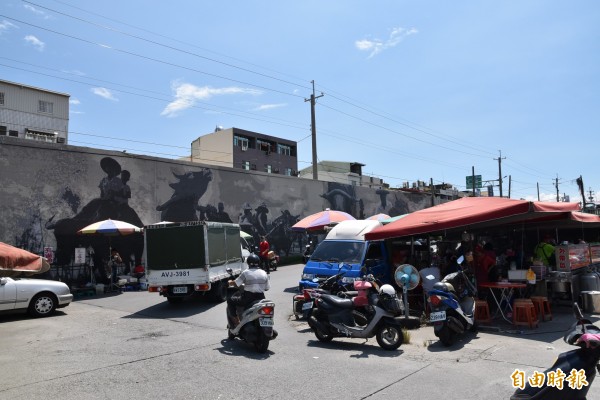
542, 307
524, 313
482, 311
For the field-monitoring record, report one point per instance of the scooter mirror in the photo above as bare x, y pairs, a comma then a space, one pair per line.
229, 270
460, 259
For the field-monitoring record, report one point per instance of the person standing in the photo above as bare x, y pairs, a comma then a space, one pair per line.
263, 252
544, 251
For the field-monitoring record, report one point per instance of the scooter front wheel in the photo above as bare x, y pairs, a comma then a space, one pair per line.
389, 337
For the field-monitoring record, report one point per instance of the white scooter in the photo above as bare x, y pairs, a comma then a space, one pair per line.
256, 321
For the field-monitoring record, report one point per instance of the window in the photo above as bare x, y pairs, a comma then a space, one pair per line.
287, 172
1, 98
13, 133
263, 145
240, 142
3, 130
268, 168
283, 149
45, 107
246, 165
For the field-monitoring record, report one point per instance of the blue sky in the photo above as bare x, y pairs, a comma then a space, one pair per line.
415, 90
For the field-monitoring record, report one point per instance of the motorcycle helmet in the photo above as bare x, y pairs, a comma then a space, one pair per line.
444, 287
387, 289
253, 261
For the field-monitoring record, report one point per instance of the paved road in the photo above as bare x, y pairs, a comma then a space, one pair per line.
135, 345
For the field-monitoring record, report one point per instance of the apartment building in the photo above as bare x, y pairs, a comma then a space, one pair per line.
345, 172
252, 151
32, 113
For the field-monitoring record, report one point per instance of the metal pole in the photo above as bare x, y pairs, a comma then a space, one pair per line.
313, 127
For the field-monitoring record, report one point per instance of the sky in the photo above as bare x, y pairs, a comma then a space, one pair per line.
414, 90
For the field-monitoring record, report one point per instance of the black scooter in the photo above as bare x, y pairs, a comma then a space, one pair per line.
586, 358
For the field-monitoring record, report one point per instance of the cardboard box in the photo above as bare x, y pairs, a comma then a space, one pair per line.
517, 275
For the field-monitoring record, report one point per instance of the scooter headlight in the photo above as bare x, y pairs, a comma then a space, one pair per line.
308, 277
346, 280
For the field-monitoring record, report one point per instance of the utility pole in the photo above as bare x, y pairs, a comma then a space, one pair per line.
509, 184
500, 171
538, 188
557, 192
314, 130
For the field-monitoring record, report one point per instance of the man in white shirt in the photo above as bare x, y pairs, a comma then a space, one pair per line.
255, 281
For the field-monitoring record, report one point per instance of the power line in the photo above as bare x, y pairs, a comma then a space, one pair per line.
163, 45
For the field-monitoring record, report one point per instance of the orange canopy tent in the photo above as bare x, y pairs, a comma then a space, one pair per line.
15, 261
474, 213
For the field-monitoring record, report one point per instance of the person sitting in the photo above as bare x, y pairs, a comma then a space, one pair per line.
256, 283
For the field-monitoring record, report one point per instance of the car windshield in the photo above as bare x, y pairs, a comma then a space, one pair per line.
338, 251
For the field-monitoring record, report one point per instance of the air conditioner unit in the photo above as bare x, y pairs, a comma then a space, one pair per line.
60, 140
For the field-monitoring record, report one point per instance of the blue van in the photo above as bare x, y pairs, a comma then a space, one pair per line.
346, 244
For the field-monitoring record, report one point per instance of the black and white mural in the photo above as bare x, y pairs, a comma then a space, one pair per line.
50, 192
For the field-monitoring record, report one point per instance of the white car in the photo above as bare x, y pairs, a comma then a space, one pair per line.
39, 297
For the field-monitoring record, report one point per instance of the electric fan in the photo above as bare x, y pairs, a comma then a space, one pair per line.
407, 277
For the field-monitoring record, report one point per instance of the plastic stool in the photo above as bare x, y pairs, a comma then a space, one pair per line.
482, 311
542, 307
524, 313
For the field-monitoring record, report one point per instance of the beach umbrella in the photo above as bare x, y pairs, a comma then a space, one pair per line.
110, 227
320, 220
378, 217
15, 261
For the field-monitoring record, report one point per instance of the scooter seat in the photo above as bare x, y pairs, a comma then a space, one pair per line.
337, 301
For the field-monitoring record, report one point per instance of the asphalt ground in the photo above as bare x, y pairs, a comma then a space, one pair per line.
135, 345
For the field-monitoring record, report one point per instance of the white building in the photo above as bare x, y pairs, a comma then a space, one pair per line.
31, 113
349, 173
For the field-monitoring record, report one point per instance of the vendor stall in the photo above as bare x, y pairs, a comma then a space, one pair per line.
514, 227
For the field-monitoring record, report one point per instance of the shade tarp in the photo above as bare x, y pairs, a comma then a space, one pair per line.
472, 212
15, 261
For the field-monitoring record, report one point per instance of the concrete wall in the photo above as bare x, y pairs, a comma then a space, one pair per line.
50, 191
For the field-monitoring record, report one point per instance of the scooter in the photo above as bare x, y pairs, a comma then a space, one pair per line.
333, 316
571, 363
452, 304
302, 303
273, 261
256, 322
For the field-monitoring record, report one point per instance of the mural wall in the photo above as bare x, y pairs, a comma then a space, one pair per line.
48, 192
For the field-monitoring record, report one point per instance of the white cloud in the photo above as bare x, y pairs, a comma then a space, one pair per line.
35, 42
104, 92
74, 101
5, 26
186, 96
376, 46
75, 112
264, 107
36, 11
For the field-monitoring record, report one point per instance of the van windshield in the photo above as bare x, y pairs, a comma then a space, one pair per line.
337, 251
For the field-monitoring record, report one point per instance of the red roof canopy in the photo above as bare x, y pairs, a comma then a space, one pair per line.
472, 212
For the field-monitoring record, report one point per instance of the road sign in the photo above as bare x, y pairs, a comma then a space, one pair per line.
477, 181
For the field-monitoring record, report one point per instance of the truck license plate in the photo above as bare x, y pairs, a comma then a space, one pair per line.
437, 316
265, 321
180, 289
307, 305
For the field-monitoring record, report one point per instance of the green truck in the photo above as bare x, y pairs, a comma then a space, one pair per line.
185, 259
